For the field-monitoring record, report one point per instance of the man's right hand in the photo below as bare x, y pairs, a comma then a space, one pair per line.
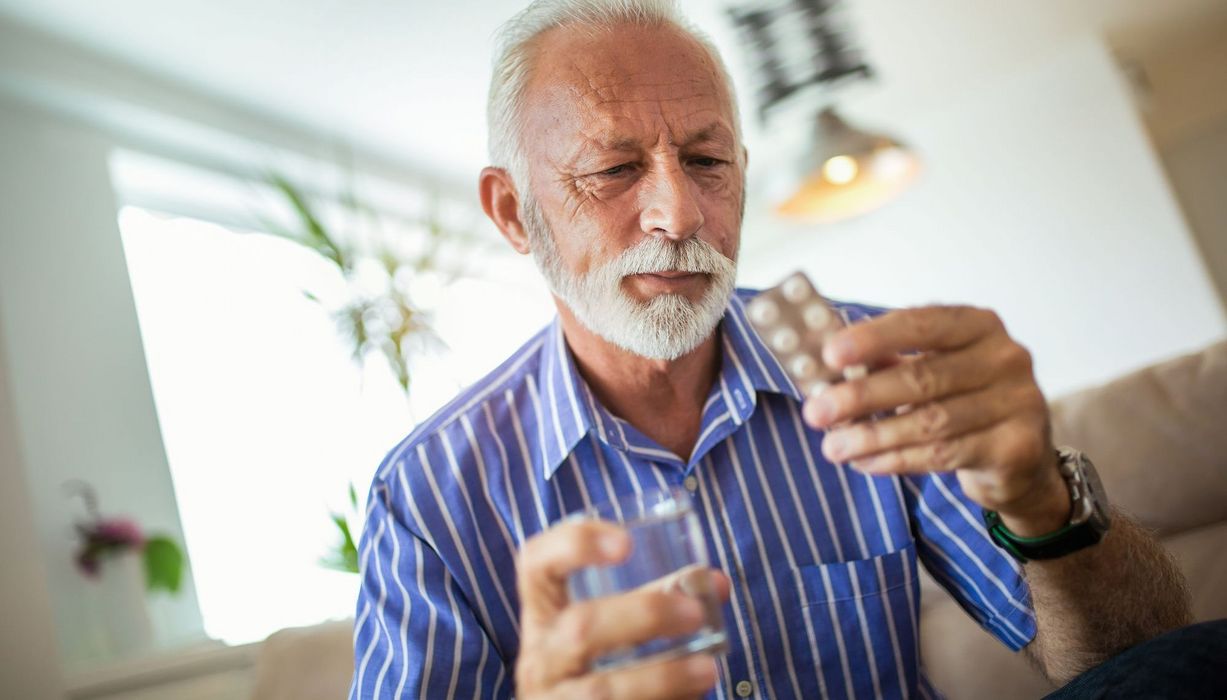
560, 639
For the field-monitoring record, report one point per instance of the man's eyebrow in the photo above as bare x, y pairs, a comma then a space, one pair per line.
714, 132
614, 142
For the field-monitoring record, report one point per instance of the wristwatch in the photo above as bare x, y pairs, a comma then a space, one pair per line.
1088, 521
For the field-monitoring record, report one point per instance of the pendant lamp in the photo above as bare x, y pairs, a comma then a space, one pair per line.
802, 53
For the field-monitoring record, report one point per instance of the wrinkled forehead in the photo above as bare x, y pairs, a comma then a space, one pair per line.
622, 76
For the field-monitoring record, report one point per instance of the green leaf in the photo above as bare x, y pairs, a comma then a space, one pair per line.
163, 565
316, 233
345, 558
353, 496
343, 526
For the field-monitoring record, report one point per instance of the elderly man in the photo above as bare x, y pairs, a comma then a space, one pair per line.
620, 169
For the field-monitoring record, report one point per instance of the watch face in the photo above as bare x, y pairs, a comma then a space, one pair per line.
1095, 493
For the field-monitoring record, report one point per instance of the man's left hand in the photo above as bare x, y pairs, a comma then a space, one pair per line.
964, 398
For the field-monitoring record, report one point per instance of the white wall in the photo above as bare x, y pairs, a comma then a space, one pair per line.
1041, 199
29, 662
75, 370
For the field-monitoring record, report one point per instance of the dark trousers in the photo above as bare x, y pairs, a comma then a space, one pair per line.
1190, 662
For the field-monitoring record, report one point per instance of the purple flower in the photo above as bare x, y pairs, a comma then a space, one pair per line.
120, 531
105, 538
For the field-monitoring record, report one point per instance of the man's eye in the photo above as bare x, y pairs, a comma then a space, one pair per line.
615, 170
706, 162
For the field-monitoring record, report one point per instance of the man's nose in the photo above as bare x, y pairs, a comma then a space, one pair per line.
669, 205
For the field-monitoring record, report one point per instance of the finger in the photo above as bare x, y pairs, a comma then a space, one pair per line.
924, 423
936, 456
905, 330
1000, 451
548, 559
708, 586
894, 361
688, 677
722, 584
586, 631
694, 580
919, 381
930, 377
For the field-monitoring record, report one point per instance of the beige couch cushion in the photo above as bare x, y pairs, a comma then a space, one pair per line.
966, 663
1202, 554
306, 663
1159, 439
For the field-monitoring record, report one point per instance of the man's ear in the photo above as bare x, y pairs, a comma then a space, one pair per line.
501, 203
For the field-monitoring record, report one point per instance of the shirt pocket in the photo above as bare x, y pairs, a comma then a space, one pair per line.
856, 624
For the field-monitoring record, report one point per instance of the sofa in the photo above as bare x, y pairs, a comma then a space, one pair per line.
1159, 439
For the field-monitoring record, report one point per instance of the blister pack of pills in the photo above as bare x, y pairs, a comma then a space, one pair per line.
795, 320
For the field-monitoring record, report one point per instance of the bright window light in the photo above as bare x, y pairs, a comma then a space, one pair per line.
266, 417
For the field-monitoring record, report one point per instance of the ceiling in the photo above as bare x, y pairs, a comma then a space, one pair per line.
409, 78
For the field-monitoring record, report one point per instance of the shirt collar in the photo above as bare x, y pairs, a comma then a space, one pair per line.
565, 401
570, 411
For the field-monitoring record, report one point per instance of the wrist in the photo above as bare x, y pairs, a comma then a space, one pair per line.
1046, 510
1051, 522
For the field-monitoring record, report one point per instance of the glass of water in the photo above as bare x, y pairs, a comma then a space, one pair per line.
667, 551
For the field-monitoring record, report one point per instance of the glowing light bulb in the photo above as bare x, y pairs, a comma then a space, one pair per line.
840, 170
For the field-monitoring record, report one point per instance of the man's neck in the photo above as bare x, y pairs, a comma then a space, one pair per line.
662, 398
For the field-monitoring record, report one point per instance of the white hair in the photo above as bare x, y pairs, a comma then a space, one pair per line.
514, 55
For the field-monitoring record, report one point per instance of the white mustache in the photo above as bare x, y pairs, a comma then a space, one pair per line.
656, 254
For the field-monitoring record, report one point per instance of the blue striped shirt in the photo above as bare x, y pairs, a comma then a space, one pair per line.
823, 560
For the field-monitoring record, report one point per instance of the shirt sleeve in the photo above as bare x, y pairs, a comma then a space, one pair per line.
955, 548
415, 635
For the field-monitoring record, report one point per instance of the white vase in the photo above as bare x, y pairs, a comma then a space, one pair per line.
119, 609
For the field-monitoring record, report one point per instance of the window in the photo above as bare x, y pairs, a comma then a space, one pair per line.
266, 417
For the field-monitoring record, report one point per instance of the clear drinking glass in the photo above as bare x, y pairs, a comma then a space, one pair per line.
667, 550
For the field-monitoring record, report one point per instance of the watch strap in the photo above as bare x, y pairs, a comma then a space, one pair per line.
1057, 544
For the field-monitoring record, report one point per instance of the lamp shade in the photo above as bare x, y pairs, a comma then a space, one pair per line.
849, 172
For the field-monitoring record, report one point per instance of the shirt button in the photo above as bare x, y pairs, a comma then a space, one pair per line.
744, 689
691, 483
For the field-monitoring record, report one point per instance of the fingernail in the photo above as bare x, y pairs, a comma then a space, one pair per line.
690, 609
818, 409
694, 582
834, 445
836, 350
855, 372
612, 544
701, 667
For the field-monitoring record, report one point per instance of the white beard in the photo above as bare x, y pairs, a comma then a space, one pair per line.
666, 326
